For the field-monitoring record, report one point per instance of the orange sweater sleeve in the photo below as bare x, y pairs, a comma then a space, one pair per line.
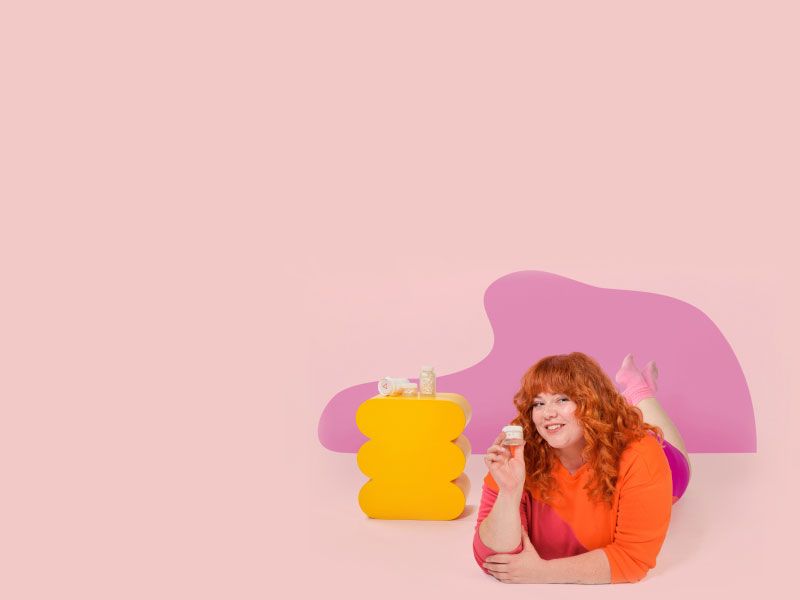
643, 514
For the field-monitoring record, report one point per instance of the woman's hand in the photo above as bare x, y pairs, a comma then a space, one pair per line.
525, 567
507, 470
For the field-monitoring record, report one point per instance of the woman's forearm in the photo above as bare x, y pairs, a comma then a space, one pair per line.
501, 529
589, 567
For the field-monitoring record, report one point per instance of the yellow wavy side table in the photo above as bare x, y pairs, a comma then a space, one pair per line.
415, 456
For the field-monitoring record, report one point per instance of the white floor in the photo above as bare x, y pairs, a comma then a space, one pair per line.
727, 535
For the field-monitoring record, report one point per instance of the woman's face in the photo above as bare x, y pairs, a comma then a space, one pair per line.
551, 410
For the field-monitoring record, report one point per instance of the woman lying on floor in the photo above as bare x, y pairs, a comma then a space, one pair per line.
587, 498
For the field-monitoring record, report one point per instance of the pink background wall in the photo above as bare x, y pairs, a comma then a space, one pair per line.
534, 314
217, 215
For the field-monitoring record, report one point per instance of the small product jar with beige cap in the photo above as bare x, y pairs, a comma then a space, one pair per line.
409, 390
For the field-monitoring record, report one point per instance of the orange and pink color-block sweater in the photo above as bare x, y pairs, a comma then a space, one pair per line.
630, 532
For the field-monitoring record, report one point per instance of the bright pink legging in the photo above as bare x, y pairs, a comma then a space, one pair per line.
680, 470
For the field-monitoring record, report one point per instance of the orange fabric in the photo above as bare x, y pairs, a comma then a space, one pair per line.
632, 531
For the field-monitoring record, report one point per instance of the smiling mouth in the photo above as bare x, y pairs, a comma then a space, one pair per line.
554, 427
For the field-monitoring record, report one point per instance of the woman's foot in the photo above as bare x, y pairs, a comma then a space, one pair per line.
650, 374
635, 386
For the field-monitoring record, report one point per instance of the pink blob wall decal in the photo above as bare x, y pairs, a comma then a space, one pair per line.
535, 314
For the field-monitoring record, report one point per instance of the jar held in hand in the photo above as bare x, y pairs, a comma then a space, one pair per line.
514, 437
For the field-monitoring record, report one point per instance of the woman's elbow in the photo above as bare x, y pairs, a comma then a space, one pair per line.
479, 560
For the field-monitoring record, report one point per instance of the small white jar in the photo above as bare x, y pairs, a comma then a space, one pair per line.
514, 435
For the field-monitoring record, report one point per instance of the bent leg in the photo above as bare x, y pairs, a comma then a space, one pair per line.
639, 388
674, 447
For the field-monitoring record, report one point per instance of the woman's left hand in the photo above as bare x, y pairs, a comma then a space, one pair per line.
525, 567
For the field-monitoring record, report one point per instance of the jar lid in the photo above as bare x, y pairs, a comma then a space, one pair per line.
513, 431
427, 368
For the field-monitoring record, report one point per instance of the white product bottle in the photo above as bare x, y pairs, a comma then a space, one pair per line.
391, 386
427, 381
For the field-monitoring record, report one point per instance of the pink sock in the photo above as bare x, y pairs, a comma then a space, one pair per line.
635, 386
650, 374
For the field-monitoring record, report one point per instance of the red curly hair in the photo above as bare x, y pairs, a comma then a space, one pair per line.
609, 422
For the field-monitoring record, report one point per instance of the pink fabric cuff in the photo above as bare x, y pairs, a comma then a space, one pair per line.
482, 551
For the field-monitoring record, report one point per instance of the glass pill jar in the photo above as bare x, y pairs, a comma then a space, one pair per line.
427, 381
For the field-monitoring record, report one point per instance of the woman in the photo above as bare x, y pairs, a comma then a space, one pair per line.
587, 498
